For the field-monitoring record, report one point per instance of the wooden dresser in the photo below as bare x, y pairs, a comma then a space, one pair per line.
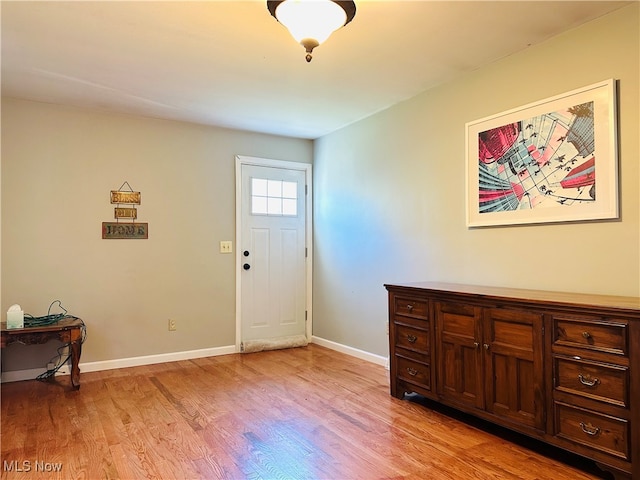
563, 368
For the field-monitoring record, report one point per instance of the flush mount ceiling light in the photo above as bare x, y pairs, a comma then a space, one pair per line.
312, 21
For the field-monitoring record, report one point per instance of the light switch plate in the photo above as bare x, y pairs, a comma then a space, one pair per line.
226, 246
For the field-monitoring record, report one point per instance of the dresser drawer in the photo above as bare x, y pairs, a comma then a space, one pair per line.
414, 372
600, 432
600, 381
411, 306
412, 339
591, 335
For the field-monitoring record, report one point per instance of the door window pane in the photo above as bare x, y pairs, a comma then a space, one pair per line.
259, 187
289, 190
274, 206
258, 205
289, 206
274, 188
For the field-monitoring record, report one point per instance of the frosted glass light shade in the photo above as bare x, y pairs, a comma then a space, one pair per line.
312, 19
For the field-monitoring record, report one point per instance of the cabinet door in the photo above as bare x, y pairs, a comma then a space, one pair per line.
512, 345
458, 331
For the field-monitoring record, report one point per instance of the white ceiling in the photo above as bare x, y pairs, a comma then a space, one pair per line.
230, 64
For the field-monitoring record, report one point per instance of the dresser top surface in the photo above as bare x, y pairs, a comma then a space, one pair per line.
535, 296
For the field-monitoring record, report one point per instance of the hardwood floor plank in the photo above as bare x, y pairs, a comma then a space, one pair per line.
305, 413
189, 415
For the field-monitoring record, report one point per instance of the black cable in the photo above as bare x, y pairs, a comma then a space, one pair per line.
56, 359
49, 319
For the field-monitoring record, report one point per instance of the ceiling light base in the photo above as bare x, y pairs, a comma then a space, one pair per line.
309, 44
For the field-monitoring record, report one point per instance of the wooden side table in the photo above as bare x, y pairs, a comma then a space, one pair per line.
67, 330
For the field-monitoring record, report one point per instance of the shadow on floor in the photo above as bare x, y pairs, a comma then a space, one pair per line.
575, 461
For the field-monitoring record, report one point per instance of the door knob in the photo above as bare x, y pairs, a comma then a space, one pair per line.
246, 253
246, 266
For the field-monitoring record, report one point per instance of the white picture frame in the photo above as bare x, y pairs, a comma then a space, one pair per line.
537, 163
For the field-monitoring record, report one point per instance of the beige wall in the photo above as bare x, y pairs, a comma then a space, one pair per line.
58, 167
390, 193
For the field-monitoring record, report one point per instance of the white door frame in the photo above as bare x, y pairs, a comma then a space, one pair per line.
265, 162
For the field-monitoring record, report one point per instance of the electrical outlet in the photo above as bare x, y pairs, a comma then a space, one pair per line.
226, 246
172, 325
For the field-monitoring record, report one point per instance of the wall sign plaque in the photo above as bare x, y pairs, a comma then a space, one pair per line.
114, 230
119, 196
122, 212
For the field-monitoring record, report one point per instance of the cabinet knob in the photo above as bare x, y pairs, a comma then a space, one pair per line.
486, 346
586, 335
476, 344
412, 371
412, 338
409, 307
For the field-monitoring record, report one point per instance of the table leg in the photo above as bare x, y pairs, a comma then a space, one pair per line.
76, 350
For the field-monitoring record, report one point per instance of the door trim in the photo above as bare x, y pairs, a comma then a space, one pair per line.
266, 162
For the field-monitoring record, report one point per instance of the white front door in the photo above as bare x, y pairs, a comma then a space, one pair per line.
271, 253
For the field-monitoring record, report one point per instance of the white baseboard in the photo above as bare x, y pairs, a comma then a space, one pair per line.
30, 374
159, 358
19, 375
354, 352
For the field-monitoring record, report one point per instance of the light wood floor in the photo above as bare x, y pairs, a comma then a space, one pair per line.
304, 413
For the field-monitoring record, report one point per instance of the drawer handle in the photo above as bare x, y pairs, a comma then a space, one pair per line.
409, 307
412, 338
589, 429
588, 380
412, 371
586, 335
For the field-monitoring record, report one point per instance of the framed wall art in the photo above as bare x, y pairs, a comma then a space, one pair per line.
555, 160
